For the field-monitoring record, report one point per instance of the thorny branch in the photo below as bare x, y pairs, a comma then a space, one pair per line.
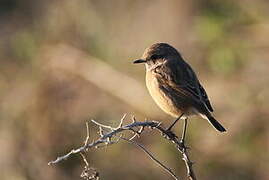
108, 132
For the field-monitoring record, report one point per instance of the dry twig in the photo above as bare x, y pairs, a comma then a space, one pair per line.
106, 139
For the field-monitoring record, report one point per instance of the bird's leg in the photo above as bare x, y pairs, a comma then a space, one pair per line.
170, 127
184, 131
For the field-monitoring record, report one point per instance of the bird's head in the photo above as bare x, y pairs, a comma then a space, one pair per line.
158, 54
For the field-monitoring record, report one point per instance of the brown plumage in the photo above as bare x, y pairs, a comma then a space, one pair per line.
173, 84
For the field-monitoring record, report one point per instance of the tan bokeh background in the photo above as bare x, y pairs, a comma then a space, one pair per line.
64, 62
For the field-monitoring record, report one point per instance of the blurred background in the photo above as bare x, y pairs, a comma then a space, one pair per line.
64, 62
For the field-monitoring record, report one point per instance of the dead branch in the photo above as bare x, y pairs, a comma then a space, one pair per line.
107, 133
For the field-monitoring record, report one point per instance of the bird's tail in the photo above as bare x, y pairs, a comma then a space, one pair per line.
215, 123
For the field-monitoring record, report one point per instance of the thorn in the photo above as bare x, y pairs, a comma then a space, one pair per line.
121, 121
101, 131
93, 121
88, 133
133, 119
102, 125
141, 130
131, 138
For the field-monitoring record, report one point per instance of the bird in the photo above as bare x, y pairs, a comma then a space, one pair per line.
174, 86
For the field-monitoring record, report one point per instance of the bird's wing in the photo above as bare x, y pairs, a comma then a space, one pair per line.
182, 78
205, 98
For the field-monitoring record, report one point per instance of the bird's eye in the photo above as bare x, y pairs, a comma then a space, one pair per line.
155, 56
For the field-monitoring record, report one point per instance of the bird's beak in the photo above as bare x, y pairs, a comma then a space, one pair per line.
139, 61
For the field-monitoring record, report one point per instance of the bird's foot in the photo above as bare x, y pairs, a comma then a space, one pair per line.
169, 134
182, 144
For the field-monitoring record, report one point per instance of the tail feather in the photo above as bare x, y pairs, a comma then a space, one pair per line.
216, 124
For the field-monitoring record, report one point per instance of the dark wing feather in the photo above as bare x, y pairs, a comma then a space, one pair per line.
181, 77
205, 98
